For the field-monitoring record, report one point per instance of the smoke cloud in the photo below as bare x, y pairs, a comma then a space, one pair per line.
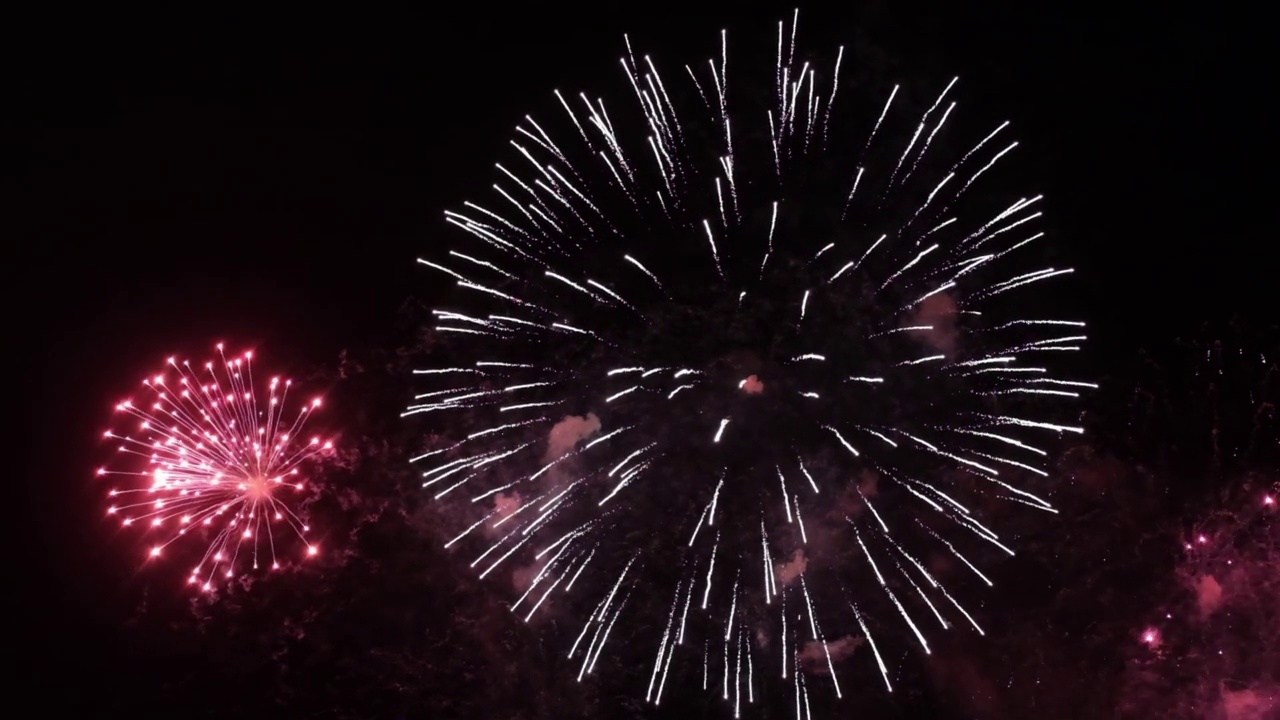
790, 571
814, 659
569, 432
939, 312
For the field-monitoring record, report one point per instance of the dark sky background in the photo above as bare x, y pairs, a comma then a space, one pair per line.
180, 181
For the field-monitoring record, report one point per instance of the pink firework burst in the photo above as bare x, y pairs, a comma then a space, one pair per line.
215, 457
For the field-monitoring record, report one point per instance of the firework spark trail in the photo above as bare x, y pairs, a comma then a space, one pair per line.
746, 302
211, 458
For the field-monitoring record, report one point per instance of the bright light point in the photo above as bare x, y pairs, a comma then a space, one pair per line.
312, 550
1268, 500
257, 488
275, 566
155, 552
1151, 637
1202, 539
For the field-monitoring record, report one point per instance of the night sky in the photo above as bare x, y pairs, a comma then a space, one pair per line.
268, 183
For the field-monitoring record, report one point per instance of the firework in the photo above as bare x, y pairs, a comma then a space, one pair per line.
215, 457
1211, 635
758, 362
1212, 638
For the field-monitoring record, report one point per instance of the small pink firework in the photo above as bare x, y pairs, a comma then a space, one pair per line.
212, 460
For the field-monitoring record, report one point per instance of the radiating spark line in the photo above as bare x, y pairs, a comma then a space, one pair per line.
854, 264
843, 442
884, 671
720, 431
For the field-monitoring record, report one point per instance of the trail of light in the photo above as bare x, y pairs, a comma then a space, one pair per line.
625, 481
853, 264
874, 513
843, 442
770, 588
467, 532
892, 597
542, 574
688, 599
884, 671
662, 646
605, 638
923, 596
773, 223
706, 595
619, 371
711, 518
622, 393
936, 585
807, 476
880, 119
581, 567
817, 635
1020, 422
643, 269
630, 458
678, 389
441, 371
961, 557
526, 406
804, 537
918, 361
